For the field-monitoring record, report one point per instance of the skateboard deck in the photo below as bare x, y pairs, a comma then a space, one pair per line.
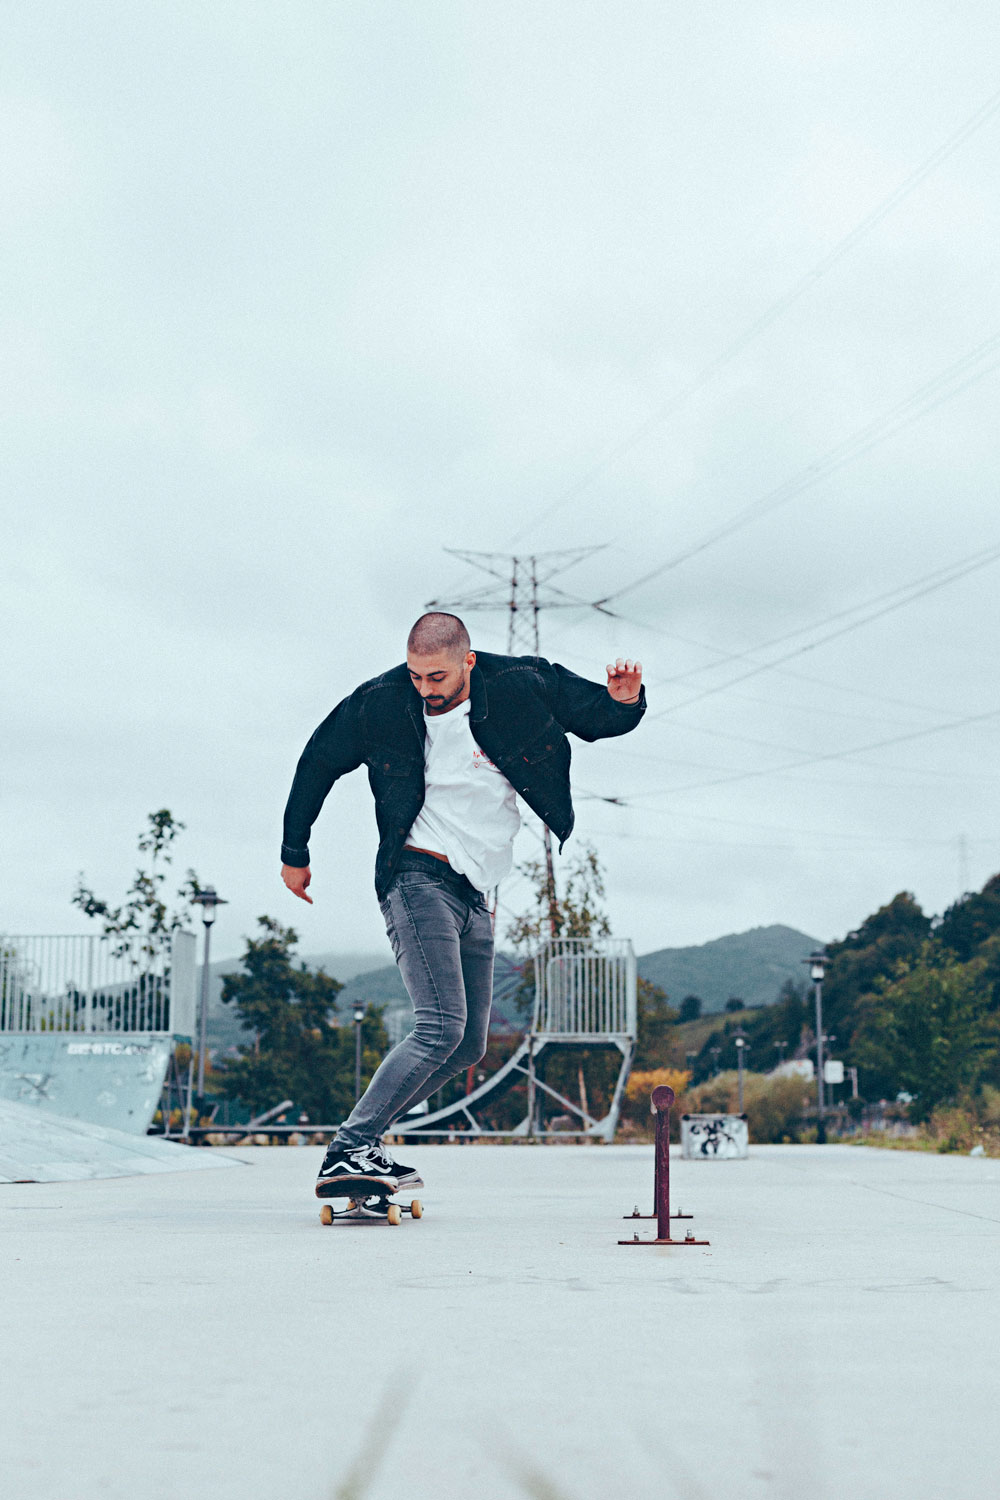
375, 1208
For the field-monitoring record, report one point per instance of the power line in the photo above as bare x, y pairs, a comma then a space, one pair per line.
980, 560
918, 404
847, 757
797, 831
897, 597
814, 846
935, 772
975, 121
850, 689
827, 755
902, 594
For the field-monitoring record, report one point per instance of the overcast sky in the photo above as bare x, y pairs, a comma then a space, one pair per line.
296, 296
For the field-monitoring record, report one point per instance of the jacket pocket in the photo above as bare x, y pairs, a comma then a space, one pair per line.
393, 765
543, 745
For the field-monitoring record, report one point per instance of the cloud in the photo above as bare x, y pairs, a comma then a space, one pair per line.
292, 308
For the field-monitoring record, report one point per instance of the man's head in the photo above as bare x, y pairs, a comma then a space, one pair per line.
439, 661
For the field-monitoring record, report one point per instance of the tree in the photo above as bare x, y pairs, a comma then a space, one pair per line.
735, 1003
892, 935
655, 1046
928, 1030
299, 1053
578, 913
769, 1032
144, 910
790, 1021
973, 919
690, 1008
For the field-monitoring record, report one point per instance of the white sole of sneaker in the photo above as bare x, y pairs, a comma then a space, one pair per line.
344, 1187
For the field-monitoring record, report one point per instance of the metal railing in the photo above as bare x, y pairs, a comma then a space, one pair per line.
585, 987
88, 983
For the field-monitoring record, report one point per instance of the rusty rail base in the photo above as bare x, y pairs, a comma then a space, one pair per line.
688, 1239
661, 1100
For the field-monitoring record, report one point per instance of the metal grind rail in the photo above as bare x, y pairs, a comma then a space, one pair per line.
660, 1101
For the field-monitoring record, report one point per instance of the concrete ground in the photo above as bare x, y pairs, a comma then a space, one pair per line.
200, 1334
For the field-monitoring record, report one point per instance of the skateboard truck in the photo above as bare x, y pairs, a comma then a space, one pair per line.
376, 1208
661, 1100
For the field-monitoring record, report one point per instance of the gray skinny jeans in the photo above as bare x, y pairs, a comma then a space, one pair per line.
442, 935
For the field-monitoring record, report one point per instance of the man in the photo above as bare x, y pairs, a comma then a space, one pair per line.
450, 740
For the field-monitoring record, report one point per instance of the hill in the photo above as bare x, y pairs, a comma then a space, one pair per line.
753, 965
385, 987
224, 1029
367, 980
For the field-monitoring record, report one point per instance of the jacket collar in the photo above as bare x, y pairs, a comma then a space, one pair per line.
477, 695
415, 709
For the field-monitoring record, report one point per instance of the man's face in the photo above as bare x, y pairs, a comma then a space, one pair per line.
441, 681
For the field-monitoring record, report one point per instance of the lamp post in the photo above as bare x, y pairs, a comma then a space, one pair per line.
359, 1015
818, 963
208, 901
740, 1048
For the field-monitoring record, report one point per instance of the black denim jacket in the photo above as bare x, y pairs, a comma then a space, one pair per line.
521, 708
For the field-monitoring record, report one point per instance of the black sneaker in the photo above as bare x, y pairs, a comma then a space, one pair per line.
384, 1161
343, 1166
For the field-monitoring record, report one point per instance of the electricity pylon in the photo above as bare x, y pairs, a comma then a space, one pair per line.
524, 589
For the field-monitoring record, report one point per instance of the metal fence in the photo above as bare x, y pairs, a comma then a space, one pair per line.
88, 983
585, 987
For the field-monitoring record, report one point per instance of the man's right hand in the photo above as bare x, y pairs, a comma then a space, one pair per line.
297, 880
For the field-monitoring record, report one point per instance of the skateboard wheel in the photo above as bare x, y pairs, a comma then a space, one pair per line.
326, 1214
417, 1208
394, 1214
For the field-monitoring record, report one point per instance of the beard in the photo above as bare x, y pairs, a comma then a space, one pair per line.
439, 702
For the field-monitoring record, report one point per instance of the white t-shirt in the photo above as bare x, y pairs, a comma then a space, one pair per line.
470, 808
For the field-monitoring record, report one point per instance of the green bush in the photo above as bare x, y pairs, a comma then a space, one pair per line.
773, 1106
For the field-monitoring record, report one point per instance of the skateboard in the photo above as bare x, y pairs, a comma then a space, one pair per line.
377, 1208
369, 1201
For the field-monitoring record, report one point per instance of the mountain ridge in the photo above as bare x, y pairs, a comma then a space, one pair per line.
752, 965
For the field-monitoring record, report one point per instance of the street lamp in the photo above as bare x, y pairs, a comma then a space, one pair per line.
208, 901
740, 1047
818, 964
359, 1015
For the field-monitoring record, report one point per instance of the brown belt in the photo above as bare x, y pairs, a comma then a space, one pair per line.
415, 849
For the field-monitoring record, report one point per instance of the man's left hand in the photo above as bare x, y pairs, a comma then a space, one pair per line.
625, 680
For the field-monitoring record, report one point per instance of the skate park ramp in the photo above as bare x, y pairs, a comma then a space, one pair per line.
43, 1147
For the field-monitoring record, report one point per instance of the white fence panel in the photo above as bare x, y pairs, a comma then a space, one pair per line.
86, 983
585, 987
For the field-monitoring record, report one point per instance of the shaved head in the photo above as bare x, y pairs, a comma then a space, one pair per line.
438, 634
